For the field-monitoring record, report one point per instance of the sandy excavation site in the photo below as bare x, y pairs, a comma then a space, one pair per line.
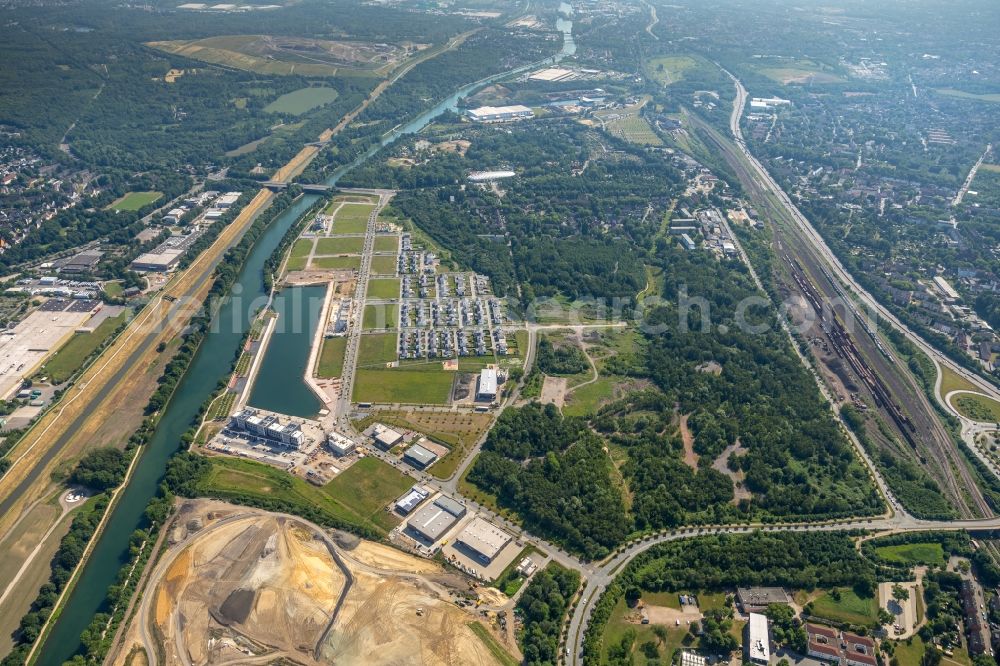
245, 586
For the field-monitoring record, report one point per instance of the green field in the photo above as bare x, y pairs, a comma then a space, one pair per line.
799, 74
669, 69
299, 101
386, 244
851, 608
340, 245
383, 264
71, 355
347, 498
398, 385
978, 407
380, 316
376, 350
586, 399
134, 200
299, 254
383, 288
113, 289
913, 553
352, 219
951, 92
367, 486
331, 358
336, 263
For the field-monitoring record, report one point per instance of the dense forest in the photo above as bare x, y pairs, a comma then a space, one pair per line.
542, 608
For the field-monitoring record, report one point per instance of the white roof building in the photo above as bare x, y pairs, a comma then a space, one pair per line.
759, 648
484, 538
499, 114
487, 384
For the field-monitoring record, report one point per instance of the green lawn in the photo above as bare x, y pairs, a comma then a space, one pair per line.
910, 652
352, 219
851, 608
367, 486
586, 399
336, 263
913, 553
383, 264
237, 478
387, 244
340, 245
392, 385
380, 316
377, 350
331, 358
299, 254
299, 101
618, 627
134, 200
113, 289
71, 355
383, 288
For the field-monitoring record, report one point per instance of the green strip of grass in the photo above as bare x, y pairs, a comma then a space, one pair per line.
331, 358
72, 355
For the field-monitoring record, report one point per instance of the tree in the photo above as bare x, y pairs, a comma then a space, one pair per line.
900, 593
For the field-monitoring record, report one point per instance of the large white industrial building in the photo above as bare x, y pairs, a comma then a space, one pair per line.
500, 114
759, 647
484, 539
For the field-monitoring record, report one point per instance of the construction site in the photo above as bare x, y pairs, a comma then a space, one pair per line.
238, 585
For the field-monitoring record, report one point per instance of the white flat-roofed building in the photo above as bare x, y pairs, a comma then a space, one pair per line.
226, 200
759, 648
386, 438
946, 289
768, 102
486, 176
551, 74
174, 216
487, 384
484, 539
500, 114
158, 262
411, 500
340, 444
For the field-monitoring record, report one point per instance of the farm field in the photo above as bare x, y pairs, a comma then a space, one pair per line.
340, 245
331, 358
383, 288
951, 92
134, 200
406, 386
71, 355
302, 100
345, 263
380, 316
913, 553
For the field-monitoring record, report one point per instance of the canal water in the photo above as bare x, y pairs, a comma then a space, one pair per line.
279, 386
212, 362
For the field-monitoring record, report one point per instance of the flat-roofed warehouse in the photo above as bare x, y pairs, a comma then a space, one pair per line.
431, 522
157, 261
500, 114
488, 382
484, 538
420, 457
387, 438
752, 599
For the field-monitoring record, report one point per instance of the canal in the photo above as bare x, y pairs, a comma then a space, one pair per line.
211, 363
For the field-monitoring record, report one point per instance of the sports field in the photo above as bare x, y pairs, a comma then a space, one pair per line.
134, 200
302, 100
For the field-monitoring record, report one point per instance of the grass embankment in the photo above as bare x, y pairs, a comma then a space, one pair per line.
72, 355
357, 496
491, 643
